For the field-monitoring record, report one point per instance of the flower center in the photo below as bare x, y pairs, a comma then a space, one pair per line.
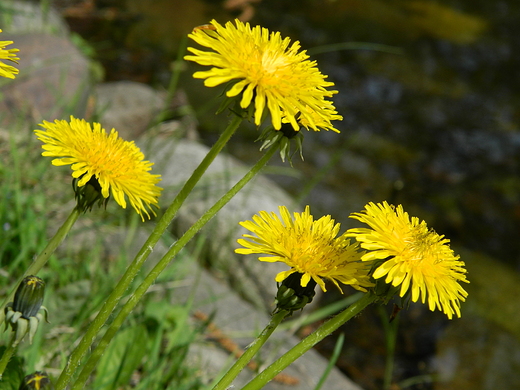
420, 246
266, 68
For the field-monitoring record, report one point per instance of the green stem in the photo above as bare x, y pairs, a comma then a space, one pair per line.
8, 353
390, 328
332, 361
310, 341
161, 265
251, 351
42, 258
135, 266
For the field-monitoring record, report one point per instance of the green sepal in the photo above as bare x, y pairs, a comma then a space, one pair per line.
299, 143
89, 194
270, 139
226, 100
285, 149
292, 296
283, 137
20, 329
33, 327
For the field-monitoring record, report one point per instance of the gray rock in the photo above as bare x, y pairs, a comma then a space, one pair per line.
20, 17
175, 160
127, 106
233, 316
53, 82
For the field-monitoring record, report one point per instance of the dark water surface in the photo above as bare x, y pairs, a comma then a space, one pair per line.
431, 122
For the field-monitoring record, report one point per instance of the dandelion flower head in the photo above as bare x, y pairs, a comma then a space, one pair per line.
118, 165
268, 70
309, 247
8, 54
417, 258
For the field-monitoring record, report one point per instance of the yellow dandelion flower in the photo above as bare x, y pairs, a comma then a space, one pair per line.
269, 70
118, 165
8, 54
309, 247
318, 120
417, 258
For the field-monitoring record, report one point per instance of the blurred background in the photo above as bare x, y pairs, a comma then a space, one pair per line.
429, 93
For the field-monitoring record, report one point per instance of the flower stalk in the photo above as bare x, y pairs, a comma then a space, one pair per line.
390, 326
251, 351
132, 270
8, 353
310, 341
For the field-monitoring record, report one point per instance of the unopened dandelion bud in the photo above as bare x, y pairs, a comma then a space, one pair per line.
28, 298
37, 381
24, 314
292, 296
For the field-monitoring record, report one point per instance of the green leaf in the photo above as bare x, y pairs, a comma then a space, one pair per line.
174, 320
13, 373
122, 357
